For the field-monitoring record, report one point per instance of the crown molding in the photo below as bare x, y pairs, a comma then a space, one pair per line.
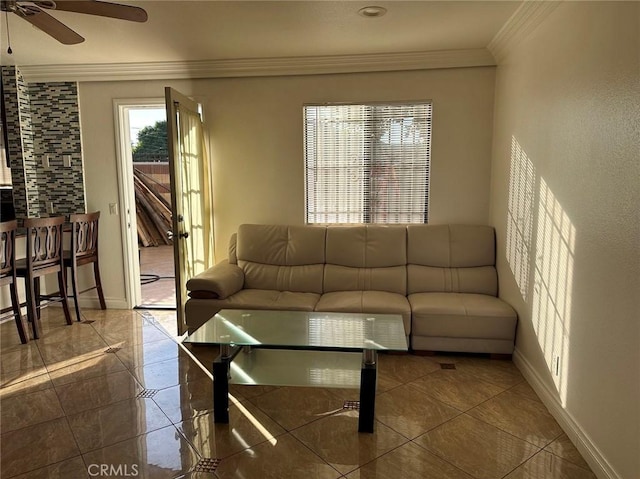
524, 20
314, 65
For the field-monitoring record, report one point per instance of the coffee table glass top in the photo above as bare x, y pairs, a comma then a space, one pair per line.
301, 329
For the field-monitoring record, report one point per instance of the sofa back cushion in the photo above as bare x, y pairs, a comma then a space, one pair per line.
281, 257
451, 258
365, 258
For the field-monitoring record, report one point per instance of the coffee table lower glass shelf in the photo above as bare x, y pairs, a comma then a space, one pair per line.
296, 348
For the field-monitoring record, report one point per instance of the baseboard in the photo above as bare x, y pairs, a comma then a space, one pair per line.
598, 463
94, 303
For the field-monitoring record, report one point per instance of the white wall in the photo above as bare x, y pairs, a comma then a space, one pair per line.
255, 132
565, 195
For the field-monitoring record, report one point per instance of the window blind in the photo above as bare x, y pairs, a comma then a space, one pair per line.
367, 163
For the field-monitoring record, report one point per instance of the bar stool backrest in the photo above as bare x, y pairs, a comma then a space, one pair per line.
7, 252
84, 236
44, 242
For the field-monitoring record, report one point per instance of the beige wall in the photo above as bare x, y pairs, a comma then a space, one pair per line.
255, 132
564, 198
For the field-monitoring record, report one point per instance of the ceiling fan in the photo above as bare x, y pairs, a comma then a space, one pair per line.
34, 13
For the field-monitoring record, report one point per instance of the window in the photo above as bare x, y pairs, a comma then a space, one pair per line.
367, 163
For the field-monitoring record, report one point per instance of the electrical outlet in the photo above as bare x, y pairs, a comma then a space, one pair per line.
66, 161
50, 207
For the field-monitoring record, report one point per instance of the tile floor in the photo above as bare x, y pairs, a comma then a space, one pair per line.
117, 396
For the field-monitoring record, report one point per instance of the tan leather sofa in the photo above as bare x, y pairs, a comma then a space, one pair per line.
440, 278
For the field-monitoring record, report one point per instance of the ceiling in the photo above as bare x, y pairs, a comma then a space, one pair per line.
188, 31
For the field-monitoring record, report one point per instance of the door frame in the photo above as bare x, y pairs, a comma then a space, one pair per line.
126, 193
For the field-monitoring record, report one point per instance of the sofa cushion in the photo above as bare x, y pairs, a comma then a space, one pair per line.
366, 257
382, 302
270, 299
480, 280
281, 257
283, 245
451, 258
460, 315
451, 246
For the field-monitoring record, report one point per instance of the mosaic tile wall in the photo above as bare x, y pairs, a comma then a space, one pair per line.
14, 134
43, 118
56, 119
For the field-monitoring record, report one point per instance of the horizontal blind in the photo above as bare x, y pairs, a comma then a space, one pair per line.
367, 163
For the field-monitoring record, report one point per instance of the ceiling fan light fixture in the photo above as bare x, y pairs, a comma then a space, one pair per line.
372, 11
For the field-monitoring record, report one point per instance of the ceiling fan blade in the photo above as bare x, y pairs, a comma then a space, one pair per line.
50, 25
102, 9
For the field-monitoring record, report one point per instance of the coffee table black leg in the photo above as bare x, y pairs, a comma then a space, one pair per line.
221, 389
368, 376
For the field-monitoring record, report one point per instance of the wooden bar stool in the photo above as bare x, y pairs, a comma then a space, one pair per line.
84, 250
8, 273
44, 256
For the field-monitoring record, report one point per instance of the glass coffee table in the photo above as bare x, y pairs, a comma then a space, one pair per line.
298, 348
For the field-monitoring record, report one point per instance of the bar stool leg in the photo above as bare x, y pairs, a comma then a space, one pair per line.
96, 275
20, 322
76, 294
36, 289
63, 292
32, 310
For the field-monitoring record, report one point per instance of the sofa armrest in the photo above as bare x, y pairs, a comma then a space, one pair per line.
218, 282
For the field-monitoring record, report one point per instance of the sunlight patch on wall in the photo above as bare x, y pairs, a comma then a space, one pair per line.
540, 247
553, 280
520, 216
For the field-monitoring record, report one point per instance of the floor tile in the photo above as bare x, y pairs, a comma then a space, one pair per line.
564, 448
524, 389
501, 372
138, 355
17, 412
97, 428
74, 333
111, 318
186, 401
479, 449
9, 339
456, 388
284, 459
242, 392
160, 454
408, 461
529, 420
137, 333
69, 469
336, 440
165, 320
293, 407
405, 367
52, 318
545, 465
24, 358
66, 353
411, 412
169, 373
248, 426
96, 392
18, 382
22, 449
86, 367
